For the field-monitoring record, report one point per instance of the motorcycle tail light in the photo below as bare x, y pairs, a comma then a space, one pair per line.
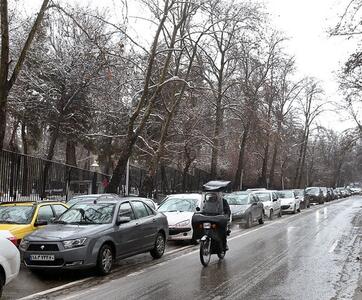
213, 226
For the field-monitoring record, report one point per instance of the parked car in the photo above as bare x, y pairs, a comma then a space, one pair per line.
304, 201
22, 218
288, 201
248, 208
94, 234
314, 194
271, 202
9, 259
179, 210
326, 194
332, 194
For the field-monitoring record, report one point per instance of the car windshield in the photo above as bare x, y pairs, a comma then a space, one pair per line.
179, 204
88, 213
17, 214
264, 197
237, 199
299, 192
312, 191
285, 194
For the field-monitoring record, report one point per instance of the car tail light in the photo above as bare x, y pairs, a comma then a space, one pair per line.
14, 240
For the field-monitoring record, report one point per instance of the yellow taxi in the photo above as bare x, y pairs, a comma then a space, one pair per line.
22, 218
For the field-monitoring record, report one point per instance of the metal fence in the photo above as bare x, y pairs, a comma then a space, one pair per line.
168, 180
24, 177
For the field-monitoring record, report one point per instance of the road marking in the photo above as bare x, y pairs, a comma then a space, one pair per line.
282, 220
68, 285
335, 244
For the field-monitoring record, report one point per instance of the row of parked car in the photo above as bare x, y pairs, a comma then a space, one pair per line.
92, 231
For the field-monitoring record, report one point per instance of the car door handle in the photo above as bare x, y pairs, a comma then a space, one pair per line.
137, 224
153, 220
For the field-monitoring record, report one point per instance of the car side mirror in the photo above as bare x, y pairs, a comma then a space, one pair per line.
52, 220
122, 220
40, 223
275, 199
198, 208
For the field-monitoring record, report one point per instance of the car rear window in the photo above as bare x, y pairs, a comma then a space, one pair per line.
179, 204
17, 214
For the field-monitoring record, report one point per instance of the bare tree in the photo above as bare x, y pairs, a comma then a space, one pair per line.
8, 77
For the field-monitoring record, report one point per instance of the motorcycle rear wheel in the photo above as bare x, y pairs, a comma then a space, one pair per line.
205, 252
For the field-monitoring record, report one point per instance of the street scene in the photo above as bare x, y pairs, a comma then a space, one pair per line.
180, 149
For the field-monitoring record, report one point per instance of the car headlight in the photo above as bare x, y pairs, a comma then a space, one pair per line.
24, 244
74, 243
291, 202
183, 223
266, 206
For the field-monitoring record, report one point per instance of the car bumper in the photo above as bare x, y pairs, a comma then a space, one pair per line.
288, 207
177, 234
75, 258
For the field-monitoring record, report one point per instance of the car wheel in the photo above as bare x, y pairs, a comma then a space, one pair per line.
271, 214
249, 221
261, 220
105, 260
159, 247
298, 210
2, 282
295, 209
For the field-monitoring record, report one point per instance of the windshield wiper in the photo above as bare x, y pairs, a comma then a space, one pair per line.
59, 222
9, 222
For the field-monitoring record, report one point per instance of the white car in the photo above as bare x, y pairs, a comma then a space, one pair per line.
271, 202
9, 259
179, 210
288, 201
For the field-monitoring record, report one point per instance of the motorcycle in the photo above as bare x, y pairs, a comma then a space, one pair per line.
210, 229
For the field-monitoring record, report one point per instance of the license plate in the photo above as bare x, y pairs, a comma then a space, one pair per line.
207, 225
41, 257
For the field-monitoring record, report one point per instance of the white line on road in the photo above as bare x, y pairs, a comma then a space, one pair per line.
335, 244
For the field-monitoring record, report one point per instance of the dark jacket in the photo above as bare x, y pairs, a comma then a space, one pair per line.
226, 206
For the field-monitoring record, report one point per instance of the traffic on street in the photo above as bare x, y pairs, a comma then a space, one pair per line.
318, 248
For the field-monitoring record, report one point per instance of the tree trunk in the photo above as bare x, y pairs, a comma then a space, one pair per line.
70, 153
164, 180
50, 155
185, 171
239, 170
26, 187
120, 168
305, 145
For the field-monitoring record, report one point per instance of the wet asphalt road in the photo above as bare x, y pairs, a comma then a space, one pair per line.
312, 255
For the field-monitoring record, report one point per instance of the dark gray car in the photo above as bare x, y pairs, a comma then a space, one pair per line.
96, 232
246, 207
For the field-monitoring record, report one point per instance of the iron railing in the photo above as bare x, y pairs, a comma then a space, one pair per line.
23, 178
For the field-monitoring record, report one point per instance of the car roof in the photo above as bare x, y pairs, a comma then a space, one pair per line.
186, 196
94, 195
256, 189
28, 203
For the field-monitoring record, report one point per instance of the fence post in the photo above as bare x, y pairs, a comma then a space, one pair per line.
94, 183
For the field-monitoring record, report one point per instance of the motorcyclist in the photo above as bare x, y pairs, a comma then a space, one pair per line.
214, 198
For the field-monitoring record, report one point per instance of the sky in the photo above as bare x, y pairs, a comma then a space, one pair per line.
306, 24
